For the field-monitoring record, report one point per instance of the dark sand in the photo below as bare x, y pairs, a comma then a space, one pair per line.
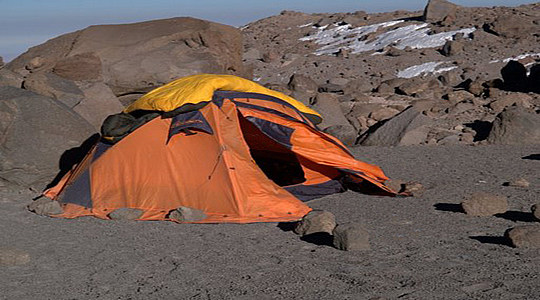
421, 248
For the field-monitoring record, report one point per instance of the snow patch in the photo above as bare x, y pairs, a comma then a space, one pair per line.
358, 40
426, 68
305, 25
519, 57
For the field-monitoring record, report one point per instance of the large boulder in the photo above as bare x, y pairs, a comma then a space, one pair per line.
138, 57
34, 133
410, 127
440, 11
334, 120
515, 126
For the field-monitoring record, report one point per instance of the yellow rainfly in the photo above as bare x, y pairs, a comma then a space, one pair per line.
197, 89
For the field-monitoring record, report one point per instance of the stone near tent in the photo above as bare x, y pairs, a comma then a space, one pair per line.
54, 86
515, 126
126, 213
527, 236
395, 185
415, 189
345, 133
13, 257
187, 214
440, 11
316, 221
407, 128
98, 103
34, 133
141, 56
10, 78
304, 84
328, 105
45, 207
484, 204
350, 237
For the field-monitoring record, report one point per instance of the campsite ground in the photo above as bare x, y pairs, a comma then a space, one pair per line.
421, 248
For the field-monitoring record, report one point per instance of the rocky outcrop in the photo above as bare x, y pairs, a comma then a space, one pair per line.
34, 133
407, 128
138, 57
515, 126
440, 11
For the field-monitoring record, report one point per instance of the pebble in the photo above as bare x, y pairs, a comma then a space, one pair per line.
350, 237
316, 221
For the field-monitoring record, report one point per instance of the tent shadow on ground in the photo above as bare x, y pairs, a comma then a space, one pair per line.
532, 157
495, 240
73, 156
451, 207
517, 216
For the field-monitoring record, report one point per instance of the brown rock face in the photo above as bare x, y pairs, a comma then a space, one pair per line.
515, 126
484, 204
439, 11
34, 133
141, 56
85, 66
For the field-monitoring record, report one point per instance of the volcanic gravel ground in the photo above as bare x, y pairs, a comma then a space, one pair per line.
421, 248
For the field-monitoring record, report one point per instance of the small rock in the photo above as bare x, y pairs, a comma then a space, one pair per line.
13, 257
527, 236
269, 57
395, 185
521, 182
252, 54
484, 204
384, 113
351, 236
415, 189
316, 221
338, 81
126, 213
536, 211
187, 214
451, 48
45, 207
345, 133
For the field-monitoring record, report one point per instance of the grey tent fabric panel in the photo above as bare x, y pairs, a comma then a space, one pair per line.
100, 149
78, 192
279, 133
310, 192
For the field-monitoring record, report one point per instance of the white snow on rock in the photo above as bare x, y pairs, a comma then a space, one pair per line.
358, 40
519, 57
426, 68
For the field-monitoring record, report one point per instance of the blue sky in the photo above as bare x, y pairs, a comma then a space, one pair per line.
26, 23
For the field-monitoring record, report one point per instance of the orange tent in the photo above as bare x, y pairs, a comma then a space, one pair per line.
244, 154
